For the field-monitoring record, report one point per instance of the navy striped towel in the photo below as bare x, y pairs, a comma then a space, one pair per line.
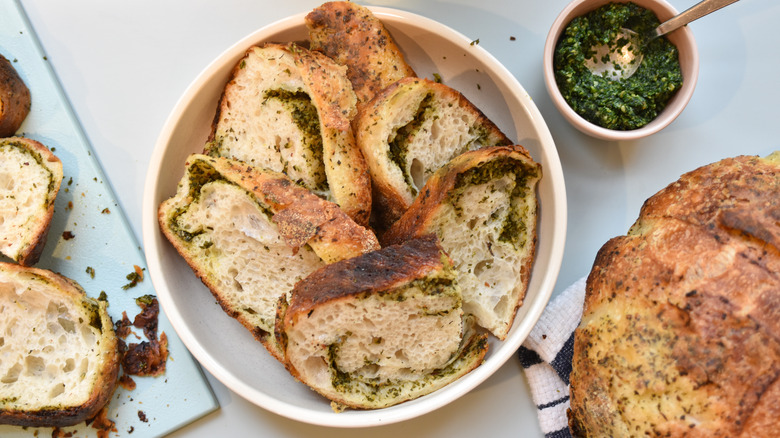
546, 358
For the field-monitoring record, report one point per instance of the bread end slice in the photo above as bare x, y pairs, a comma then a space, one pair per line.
351, 34
14, 99
483, 207
379, 329
59, 351
30, 178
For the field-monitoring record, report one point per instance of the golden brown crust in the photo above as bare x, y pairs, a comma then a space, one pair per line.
681, 326
353, 36
302, 217
107, 380
14, 99
417, 221
378, 270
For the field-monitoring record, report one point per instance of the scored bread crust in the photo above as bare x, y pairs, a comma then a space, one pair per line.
351, 35
90, 315
309, 228
488, 229
680, 333
15, 99
366, 333
24, 229
408, 130
257, 121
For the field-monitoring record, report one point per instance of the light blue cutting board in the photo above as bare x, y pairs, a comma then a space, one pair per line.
87, 207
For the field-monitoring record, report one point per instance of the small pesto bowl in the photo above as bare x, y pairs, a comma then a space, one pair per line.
689, 63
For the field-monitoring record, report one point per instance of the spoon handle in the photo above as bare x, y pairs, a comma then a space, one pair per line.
696, 11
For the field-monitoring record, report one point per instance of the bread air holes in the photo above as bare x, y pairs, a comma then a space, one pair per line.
13, 374
482, 266
70, 365
68, 325
57, 390
34, 365
417, 171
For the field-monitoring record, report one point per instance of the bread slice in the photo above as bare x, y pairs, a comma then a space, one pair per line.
59, 352
380, 329
483, 207
30, 178
250, 234
680, 332
15, 99
350, 34
410, 130
289, 110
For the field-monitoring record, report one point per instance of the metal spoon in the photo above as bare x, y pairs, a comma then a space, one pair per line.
620, 59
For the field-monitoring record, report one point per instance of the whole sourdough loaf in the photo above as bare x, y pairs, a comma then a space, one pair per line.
15, 99
409, 130
288, 109
250, 234
381, 328
351, 35
680, 334
483, 207
59, 352
30, 178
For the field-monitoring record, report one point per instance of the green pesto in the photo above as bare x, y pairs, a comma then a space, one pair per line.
616, 104
93, 310
307, 119
514, 227
38, 159
399, 140
145, 300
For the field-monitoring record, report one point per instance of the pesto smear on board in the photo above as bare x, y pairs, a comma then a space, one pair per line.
623, 104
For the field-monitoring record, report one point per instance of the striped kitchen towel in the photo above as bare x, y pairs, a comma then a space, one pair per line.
546, 358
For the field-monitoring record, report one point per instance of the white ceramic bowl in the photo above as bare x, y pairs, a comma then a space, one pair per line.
225, 348
689, 63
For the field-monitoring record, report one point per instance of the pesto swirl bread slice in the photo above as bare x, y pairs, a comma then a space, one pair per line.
381, 328
59, 352
30, 178
289, 110
483, 207
354, 37
250, 234
14, 99
410, 130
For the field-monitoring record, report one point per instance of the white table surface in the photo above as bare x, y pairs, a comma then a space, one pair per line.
124, 64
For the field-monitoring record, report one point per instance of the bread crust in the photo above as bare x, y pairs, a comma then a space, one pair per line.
30, 251
684, 312
350, 34
15, 99
106, 382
